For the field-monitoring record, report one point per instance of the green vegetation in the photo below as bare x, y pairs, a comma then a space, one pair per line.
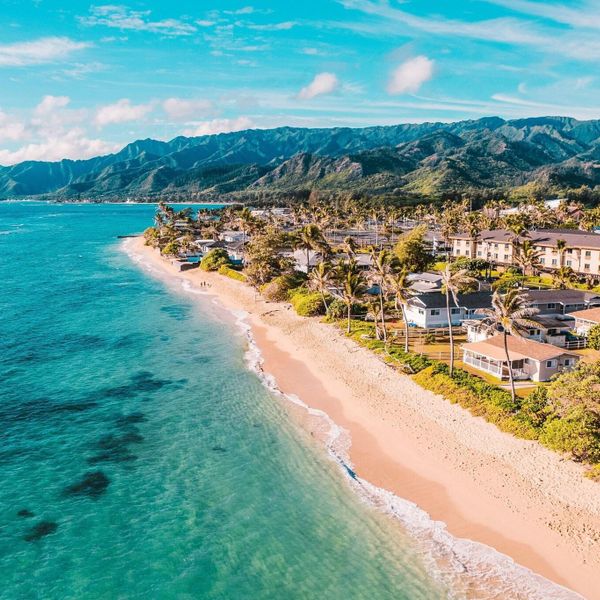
594, 337
231, 273
307, 303
215, 259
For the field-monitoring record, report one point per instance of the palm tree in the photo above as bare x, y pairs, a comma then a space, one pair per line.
563, 278
319, 279
527, 257
402, 290
245, 220
454, 282
352, 285
512, 314
561, 246
349, 246
381, 266
310, 238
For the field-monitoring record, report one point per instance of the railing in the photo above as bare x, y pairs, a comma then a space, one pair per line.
484, 365
576, 344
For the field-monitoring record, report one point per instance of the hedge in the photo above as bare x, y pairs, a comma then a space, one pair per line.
232, 273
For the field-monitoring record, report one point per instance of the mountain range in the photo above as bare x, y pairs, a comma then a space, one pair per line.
428, 159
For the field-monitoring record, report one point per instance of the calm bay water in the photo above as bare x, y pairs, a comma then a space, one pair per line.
144, 458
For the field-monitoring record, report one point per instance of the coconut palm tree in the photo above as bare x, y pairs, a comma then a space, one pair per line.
563, 278
400, 286
454, 282
511, 313
527, 257
561, 246
310, 238
352, 286
245, 220
382, 265
319, 279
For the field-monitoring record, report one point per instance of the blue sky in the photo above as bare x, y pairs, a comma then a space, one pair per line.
80, 79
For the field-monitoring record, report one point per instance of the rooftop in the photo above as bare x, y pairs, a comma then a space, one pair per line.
544, 237
591, 314
438, 300
518, 349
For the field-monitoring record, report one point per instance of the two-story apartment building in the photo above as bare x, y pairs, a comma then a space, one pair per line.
581, 252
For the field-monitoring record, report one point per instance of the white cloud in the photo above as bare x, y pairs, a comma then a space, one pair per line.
409, 76
323, 83
121, 112
11, 129
40, 51
50, 104
121, 17
220, 126
180, 108
284, 26
71, 144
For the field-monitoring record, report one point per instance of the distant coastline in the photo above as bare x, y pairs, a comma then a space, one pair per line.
485, 485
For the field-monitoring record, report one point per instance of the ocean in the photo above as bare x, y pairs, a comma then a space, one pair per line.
141, 456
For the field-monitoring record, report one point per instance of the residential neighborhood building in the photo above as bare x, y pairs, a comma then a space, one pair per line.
555, 330
581, 252
561, 302
429, 310
585, 320
529, 360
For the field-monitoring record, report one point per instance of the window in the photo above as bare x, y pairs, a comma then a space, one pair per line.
550, 363
586, 267
542, 261
534, 332
496, 256
467, 253
496, 246
570, 251
554, 262
479, 253
568, 362
455, 311
435, 312
421, 311
569, 263
588, 254
506, 246
552, 305
506, 257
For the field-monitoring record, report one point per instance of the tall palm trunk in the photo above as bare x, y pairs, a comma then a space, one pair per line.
324, 302
349, 322
510, 373
450, 333
403, 309
383, 328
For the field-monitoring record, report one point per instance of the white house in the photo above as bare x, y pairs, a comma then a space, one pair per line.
529, 360
429, 310
585, 320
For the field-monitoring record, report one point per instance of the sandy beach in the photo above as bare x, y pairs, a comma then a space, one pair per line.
512, 495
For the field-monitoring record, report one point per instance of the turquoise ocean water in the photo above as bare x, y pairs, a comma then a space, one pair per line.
151, 461
141, 457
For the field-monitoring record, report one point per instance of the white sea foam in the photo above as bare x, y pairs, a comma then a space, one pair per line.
469, 569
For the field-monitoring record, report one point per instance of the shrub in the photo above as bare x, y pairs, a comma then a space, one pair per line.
535, 408
593, 472
151, 237
429, 338
337, 309
577, 433
278, 290
594, 337
215, 259
307, 304
170, 249
232, 273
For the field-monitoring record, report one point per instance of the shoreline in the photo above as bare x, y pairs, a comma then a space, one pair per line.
484, 485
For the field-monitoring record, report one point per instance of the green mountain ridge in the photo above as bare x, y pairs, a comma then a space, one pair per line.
427, 159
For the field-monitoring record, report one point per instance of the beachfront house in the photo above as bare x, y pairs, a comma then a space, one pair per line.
429, 310
529, 360
548, 329
585, 320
